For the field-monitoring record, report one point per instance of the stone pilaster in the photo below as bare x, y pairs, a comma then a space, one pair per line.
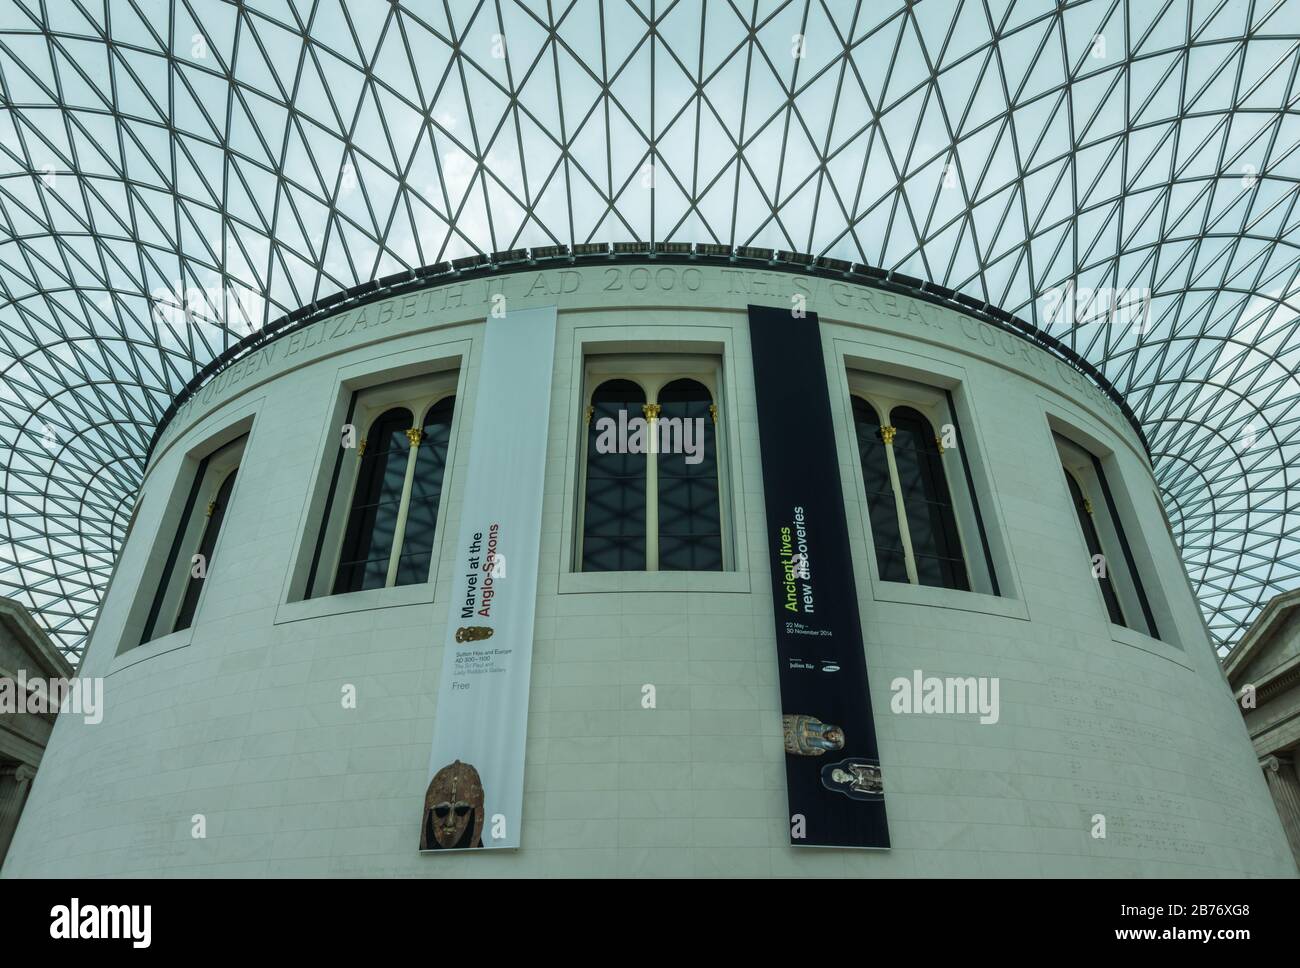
15, 781
1284, 785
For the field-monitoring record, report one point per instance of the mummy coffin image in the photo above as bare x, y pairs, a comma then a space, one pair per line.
453, 809
857, 779
809, 736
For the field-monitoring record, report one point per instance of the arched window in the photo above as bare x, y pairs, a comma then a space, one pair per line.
388, 473
690, 523
882, 506
923, 487
368, 540
614, 510
920, 491
651, 481
216, 513
1111, 559
190, 557
426, 494
1083, 510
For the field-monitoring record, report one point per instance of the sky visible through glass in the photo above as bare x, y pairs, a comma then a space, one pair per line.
174, 175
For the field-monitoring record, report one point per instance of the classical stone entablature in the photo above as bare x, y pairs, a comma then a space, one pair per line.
26, 654
1264, 671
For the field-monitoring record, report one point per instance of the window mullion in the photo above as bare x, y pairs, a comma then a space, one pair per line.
909, 557
724, 506
962, 543
414, 435
581, 533
651, 413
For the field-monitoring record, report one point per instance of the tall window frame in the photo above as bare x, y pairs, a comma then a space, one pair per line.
656, 377
1119, 582
176, 601
403, 497
926, 524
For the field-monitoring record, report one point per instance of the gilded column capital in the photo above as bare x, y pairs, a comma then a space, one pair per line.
887, 435
651, 410
415, 435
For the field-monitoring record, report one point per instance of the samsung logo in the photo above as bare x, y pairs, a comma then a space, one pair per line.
102, 921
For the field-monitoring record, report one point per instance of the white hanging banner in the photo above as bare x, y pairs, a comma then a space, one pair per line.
476, 788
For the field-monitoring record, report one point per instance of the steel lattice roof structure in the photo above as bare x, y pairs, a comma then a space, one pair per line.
175, 174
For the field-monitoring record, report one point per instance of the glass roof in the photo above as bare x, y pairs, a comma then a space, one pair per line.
174, 175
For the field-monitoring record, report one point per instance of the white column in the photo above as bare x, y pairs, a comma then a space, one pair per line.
651, 413
414, 435
887, 434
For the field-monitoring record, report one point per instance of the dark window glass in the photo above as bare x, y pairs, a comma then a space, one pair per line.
327, 517
1093, 540
690, 520
206, 545
890, 557
172, 555
936, 545
613, 524
372, 521
426, 492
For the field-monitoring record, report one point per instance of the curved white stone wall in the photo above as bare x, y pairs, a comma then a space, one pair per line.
239, 719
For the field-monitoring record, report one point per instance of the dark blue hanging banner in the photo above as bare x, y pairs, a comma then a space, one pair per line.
832, 765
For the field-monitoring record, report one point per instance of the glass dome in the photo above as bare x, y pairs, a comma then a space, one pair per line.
175, 175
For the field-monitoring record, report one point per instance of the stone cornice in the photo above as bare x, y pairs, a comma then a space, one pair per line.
1269, 621
36, 643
